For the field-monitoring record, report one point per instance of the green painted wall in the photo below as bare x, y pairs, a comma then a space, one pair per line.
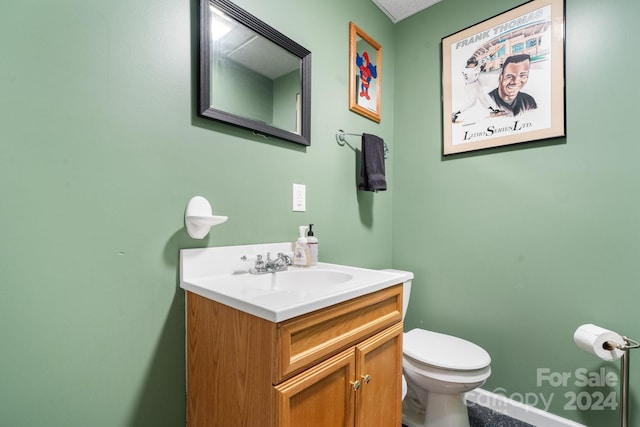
102, 149
515, 248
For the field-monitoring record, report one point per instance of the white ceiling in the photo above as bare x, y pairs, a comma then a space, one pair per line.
397, 10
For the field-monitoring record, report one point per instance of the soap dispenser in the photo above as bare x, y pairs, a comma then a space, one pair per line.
301, 254
312, 241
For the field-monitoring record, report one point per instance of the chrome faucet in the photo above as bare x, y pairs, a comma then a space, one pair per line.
261, 266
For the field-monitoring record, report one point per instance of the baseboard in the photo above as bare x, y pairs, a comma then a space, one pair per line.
518, 410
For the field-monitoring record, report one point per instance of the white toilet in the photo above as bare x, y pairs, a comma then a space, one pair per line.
439, 369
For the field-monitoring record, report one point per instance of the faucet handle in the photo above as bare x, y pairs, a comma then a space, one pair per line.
286, 258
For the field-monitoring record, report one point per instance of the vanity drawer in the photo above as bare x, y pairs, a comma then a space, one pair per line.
305, 340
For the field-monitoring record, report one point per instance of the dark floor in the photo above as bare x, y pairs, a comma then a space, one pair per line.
479, 416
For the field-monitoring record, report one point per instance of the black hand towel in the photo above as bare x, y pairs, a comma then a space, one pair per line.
372, 169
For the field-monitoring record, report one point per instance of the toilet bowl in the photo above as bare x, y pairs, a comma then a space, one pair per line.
438, 370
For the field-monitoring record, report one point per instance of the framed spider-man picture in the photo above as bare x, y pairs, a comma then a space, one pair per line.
365, 74
503, 79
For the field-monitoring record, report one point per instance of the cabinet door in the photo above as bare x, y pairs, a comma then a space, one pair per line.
379, 369
322, 396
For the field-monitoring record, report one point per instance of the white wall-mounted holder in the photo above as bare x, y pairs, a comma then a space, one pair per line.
199, 218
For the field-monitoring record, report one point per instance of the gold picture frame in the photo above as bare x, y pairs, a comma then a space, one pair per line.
365, 74
484, 68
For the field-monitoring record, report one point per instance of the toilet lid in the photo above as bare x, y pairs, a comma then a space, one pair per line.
444, 351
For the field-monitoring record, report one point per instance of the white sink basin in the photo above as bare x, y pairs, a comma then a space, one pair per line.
296, 279
218, 274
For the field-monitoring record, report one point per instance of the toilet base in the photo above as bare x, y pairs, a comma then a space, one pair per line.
442, 410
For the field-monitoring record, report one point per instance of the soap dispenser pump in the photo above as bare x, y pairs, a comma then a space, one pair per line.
301, 254
312, 242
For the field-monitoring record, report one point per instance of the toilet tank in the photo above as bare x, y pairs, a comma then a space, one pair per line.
406, 288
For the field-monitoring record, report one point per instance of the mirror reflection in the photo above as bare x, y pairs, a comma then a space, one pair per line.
255, 76
252, 77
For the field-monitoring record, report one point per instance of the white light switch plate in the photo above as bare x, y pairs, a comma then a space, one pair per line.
299, 198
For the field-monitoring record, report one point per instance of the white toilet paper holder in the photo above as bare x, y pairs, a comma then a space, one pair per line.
624, 374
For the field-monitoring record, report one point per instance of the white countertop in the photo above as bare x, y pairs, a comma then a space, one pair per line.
219, 274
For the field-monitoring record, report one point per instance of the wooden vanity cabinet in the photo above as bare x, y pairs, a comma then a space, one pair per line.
339, 366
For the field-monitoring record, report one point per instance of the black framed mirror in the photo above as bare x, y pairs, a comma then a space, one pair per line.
251, 75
